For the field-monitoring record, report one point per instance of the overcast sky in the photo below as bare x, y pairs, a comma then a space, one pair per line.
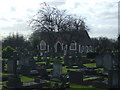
101, 15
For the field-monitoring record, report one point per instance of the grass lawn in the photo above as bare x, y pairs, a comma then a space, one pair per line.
90, 65
3, 74
75, 86
100, 69
40, 62
79, 86
26, 79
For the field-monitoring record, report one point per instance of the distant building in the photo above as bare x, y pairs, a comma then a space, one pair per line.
79, 42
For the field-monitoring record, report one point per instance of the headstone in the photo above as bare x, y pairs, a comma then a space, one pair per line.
14, 82
3, 65
48, 63
10, 66
99, 61
26, 63
57, 68
32, 63
107, 61
66, 60
114, 79
76, 77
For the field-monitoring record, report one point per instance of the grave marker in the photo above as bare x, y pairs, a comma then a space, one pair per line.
107, 61
114, 79
10, 66
99, 61
76, 77
57, 68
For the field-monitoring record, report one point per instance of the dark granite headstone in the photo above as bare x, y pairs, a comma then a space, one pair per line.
76, 77
66, 60
14, 82
10, 66
99, 61
3, 65
114, 79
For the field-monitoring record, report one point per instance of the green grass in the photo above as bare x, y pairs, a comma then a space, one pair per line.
79, 86
3, 74
64, 69
26, 79
4, 83
90, 65
40, 62
99, 69
23, 79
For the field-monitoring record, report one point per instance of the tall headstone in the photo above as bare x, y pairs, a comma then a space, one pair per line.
57, 68
114, 79
66, 60
99, 61
107, 61
3, 65
14, 81
10, 66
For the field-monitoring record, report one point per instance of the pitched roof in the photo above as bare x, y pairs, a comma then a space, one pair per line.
81, 37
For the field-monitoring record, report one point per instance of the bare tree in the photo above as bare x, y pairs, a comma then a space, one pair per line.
50, 20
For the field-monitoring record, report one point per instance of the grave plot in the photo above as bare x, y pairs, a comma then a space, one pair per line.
86, 80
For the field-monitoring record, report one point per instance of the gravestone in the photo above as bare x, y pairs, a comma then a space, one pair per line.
14, 81
32, 63
114, 79
66, 60
76, 77
48, 63
107, 61
10, 66
99, 61
26, 63
42, 72
57, 68
79, 62
3, 65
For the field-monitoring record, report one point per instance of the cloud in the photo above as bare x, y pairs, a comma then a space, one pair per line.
101, 15
13, 9
3, 19
56, 3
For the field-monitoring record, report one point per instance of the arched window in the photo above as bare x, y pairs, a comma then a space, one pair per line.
82, 49
42, 45
90, 48
73, 46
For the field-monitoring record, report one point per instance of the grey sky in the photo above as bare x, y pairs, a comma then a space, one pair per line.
101, 15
